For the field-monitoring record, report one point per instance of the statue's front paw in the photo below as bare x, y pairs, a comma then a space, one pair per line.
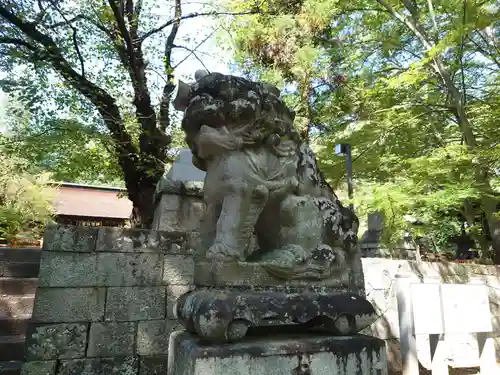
221, 252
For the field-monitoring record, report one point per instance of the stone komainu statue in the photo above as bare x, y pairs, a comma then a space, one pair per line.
262, 179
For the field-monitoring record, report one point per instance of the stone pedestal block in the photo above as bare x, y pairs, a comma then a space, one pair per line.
280, 355
179, 205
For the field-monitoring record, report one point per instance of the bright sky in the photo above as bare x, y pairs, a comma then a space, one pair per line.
196, 29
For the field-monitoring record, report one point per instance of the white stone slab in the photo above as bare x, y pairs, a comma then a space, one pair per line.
316, 355
183, 169
427, 312
466, 308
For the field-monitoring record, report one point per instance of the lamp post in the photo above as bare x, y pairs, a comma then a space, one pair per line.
344, 149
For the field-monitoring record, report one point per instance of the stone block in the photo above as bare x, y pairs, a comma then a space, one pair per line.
127, 240
178, 269
380, 273
318, 355
39, 368
154, 365
386, 306
100, 366
68, 305
153, 336
191, 213
56, 341
193, 242
58, 269
182, 168
232, 274
111, 339
166, 220
174, 292
170, 240
183, 188
69, 238
135, 303
178, 213
115, 269
171, 202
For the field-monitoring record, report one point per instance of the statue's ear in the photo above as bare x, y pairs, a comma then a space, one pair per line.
181, 100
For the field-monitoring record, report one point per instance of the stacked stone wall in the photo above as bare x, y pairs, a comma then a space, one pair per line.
104, 301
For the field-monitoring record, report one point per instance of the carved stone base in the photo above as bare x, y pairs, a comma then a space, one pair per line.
286, 355
225, 316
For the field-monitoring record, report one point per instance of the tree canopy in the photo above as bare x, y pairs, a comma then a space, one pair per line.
108, 66
413, 86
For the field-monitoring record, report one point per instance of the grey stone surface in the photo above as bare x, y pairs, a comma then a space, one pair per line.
153, 336
171, 202
61, 269
224, 316
135, 303
128, 240
375, 221
247, 274
153, 365
178, 213
111, 339
318, 355
69, 238
115, 269
100, 366
178, 269
138, 240
183, 188
193, 242
183, 169
69, 304
169, 238
39, 368
56, 341
174, 292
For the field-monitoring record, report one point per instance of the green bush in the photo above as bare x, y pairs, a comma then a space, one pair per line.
25, 201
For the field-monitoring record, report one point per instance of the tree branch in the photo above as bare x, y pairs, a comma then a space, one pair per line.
105, 104
75, 40
193, 51
122, 29
194, 15
18, 42
134, 63
164, 115
74, 19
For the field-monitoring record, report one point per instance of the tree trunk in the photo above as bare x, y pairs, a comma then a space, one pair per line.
143, 205
491, 212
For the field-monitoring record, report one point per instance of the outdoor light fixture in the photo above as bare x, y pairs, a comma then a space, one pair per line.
341, 149
344, 149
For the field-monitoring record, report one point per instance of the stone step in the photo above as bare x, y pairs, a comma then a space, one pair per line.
12, 348
16, 306
20, 255
10, 368
17, 286
14, 326
19, 269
